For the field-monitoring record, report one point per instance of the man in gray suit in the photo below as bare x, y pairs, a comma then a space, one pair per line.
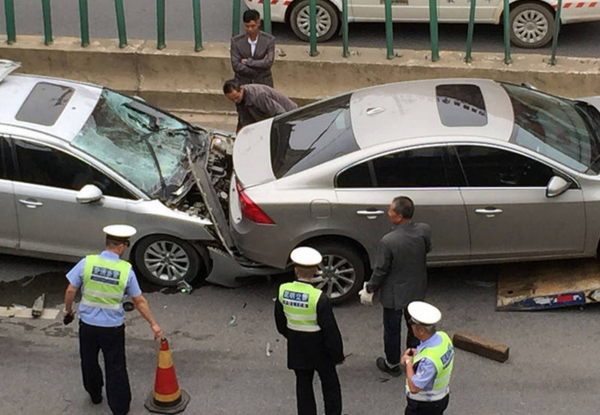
253, 53
400, 276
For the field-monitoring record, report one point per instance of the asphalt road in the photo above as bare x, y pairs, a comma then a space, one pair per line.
553, 368
575, 40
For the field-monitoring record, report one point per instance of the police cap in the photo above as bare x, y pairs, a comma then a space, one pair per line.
119, 232
305, 256
423, 313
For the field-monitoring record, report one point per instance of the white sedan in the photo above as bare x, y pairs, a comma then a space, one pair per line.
531, 21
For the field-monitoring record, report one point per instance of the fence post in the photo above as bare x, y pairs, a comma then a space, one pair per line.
507, 58
556, 31
313, 27
160, 24
235, 21
389, 29
345, 51
47, 16
197, 25
121, 23
84, 23
267, 15
470, 31
9, 13
433, 31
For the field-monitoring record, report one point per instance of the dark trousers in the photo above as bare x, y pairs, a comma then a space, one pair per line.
392, 328
111, 340
426, 408
305, 395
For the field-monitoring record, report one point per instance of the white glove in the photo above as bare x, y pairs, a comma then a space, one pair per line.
365, 297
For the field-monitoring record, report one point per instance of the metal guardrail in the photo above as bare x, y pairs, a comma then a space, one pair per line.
11, 31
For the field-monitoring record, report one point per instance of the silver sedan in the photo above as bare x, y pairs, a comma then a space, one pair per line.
500, 172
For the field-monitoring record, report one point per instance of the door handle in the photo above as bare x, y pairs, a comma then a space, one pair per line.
488, 211
31, 204
371, 214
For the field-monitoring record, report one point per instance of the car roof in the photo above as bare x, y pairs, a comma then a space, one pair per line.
15, 89
404, 110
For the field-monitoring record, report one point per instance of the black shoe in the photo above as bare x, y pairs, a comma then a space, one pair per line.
96, 399
384, 367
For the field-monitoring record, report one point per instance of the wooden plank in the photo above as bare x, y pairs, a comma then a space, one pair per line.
480, 346
550, 284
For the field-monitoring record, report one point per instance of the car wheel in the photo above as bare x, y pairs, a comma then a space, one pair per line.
532, 25
327, 20
342, 272
166, 260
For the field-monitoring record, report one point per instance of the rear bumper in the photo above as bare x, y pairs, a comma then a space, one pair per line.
228, 272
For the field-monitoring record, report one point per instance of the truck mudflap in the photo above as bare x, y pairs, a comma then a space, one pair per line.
550, 284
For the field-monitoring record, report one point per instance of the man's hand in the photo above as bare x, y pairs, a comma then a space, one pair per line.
365, 297
407, 357
158, 333
243, 60
68, 317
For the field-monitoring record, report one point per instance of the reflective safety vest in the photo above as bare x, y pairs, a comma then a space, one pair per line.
104, 282
299, 302
442, 357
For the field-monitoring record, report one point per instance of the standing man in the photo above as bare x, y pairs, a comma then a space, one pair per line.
305, 318
105, 279
253, 53
429, 366
400, 275
256, 102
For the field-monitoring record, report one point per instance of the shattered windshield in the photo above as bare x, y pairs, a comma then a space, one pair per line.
144, 145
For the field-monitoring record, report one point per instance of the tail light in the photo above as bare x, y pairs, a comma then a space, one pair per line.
251, 210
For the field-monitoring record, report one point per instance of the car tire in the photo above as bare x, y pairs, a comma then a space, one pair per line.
531, 25
166, 260
334, 277
328, 21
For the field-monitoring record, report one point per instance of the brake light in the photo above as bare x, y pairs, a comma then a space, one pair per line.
251, 210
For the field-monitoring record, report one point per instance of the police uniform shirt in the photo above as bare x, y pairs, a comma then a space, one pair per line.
424, 376
99, 316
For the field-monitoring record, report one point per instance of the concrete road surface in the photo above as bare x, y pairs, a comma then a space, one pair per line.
553, 367
575, 40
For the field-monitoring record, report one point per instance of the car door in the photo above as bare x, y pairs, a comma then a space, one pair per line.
458, 10
508, 210
430, 176
9, 225
51, 219
402, 10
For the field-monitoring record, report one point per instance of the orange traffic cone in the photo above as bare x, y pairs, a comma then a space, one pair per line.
167, 397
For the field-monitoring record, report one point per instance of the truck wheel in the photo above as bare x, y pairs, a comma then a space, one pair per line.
342, 272
166, 260
532, 25
327, 20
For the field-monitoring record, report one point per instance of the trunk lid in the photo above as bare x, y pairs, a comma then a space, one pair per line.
252, 154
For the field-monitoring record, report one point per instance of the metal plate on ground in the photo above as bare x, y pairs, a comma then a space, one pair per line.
550, 284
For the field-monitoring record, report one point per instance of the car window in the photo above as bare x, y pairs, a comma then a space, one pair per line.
422, 167
49, 167
308, 137
461, 105
493, 167
45, 103
7, 170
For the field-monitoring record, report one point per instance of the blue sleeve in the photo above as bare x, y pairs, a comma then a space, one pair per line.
75, 276
425, 374
133, 288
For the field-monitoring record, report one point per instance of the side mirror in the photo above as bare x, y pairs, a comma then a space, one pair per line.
89, 194
557, 186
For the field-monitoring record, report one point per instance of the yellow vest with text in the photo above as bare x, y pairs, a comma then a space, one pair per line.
442, 357
104, 282
299, 302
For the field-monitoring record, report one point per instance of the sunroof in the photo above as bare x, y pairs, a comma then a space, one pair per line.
461, 105
45, 103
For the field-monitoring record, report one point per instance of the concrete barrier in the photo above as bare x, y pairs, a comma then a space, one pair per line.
181, 80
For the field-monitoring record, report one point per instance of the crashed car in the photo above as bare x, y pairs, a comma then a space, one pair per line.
76, 157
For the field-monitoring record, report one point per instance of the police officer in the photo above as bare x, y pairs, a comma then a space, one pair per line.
429, 366
105, 279
305, 318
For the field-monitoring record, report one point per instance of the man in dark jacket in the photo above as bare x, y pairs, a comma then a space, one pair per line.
256, 102
400, 276
304, 316
253, 53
